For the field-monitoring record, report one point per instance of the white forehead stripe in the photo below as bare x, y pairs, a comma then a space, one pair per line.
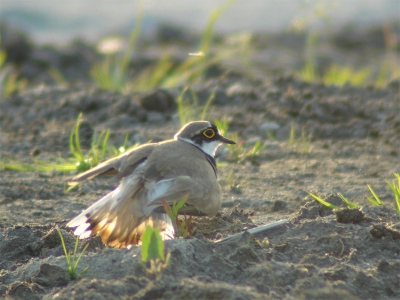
190, 128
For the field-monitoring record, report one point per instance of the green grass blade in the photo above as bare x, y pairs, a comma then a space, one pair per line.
376, 201
77, 140
57, 76
80, 255
132, 41
72, 147
152, 245
193, 68
168, 210
122, 149
309, 71
160, 72
347, 202
207, 34
195, 102
104, 145
74, 253
74, 142
177, 206
38, 165
3, 56
188, 109
322, 201
373, 201
396, 191
184, 114
292, 134
67, 258
205, 113
111, 73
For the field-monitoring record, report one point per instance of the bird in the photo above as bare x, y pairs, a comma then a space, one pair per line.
181, 168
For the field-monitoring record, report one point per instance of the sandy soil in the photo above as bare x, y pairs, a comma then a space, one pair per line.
319, 253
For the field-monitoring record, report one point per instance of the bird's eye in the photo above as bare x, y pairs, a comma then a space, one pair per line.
209, 133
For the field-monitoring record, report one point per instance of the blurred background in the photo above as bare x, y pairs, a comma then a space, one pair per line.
138, 45
49, 21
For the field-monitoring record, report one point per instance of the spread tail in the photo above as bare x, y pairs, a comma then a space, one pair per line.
119, 221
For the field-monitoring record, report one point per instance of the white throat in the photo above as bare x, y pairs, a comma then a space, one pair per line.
208, 148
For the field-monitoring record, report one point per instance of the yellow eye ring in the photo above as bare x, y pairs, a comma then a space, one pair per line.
209, 133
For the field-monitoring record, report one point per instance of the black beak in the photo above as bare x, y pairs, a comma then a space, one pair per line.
226, 141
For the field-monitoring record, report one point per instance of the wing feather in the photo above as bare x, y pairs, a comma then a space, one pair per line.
122, 165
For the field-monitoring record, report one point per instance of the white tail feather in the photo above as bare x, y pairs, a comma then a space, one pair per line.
81, 219
125, 200
111, 200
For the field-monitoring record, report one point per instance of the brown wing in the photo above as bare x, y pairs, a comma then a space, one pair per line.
121, 165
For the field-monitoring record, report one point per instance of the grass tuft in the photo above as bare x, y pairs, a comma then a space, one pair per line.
376, 201
240, 151
113, 72
301, 144
73, 259
340, 75
189, 108
99, 151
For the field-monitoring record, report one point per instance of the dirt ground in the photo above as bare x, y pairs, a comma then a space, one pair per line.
354, 140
